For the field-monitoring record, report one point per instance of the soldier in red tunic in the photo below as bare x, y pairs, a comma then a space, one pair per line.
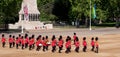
74, 37
13, 41
77, 44
33, 42
60, 44
30, 43
19, 38
44, 44
96, 45
38, 43
23, 42
84, 44
54, 42
3, 41
68, 44
26, 40
92, 44
10, 41
17, 42
47, 42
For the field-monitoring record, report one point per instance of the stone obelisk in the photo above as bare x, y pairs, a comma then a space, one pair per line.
29, 7
33, 13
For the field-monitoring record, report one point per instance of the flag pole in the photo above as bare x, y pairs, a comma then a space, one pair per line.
22, 27
90, 17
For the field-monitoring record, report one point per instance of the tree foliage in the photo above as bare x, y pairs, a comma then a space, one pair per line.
9, 10
62, 10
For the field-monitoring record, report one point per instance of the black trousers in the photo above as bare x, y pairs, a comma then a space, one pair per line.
3, 44
47, 47
77, 49
38, 48
68, 50
10, 45
17, 46
30, 47
53, 48
44, 47
13, 44
84, 48
26, 45
33, 46
60, 48
92, 48
96, 51
19, 43
22, 46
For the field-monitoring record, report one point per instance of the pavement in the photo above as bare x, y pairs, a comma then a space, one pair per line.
69, 32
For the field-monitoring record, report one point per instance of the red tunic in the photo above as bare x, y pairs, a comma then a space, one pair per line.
13, 40
3, 40
30, 42
96, 44
74, 37
92, 43
68, 44
23, 41
84, 43
10, 40
17, 41
54, 43
60, 43
44, 43
38, 42
26, 40
77, 43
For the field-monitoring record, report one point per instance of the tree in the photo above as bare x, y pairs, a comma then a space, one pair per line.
61, 10
46, 8
9, 11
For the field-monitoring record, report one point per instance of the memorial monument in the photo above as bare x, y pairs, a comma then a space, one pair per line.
29, 17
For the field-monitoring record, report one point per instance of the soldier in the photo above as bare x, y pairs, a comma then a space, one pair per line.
84, 44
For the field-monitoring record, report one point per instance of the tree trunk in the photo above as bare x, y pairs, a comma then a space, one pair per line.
117, 22
6, 26
86, 22
100, 21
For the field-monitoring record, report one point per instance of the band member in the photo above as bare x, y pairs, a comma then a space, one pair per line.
77, 44
26, 40
38, 43
54, 42
68, 44
92, 44
74, 37
60, 44
17, 42
96, 45
44, 44
84, 44
10, 41
33, 42
19, 38
47, 42
3, 40
30, 43
23, 42
13, 41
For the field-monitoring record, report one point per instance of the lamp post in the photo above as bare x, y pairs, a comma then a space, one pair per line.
90, 17
22, 27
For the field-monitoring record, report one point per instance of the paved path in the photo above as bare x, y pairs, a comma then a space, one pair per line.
80, 32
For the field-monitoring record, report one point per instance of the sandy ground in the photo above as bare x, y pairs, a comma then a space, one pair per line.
109, 47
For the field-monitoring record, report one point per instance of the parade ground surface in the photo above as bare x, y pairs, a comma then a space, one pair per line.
109, 40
